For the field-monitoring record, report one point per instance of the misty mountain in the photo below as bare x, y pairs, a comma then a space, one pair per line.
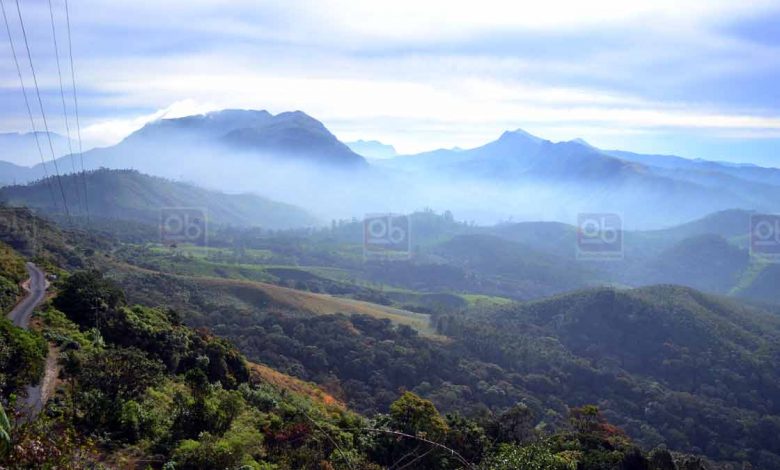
671, 162
294, 135
518, 154
131, 196
199, 147
11, 173
577, 176
293, 158
289, 157
22, 149
202, 127
727, 224
372, 149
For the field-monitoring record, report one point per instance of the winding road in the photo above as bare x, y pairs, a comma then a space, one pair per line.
36, 291
20, 316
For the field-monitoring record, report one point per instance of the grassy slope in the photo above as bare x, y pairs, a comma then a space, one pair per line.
264, 374
251, 292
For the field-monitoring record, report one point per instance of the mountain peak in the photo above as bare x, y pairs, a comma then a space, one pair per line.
298, 118
519, 134
237, 114
207, 125
287, 135
582, 142
293, 134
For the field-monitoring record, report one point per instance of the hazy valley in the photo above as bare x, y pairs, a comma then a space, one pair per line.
390, 235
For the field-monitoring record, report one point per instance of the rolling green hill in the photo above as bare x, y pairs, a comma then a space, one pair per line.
533, 272
705, 262
670, 364
761, 284
131, 196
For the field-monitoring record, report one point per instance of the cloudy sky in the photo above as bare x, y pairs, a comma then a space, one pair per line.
699, 78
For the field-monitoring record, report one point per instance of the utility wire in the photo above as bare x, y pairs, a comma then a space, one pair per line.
43, 113
27, 105
76, 110
327, 435
64, 106
452, 452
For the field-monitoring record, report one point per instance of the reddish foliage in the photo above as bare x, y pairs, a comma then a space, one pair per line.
293, 433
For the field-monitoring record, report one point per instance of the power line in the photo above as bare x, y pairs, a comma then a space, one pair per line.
76, 110
62, 96
27, 105
43, 113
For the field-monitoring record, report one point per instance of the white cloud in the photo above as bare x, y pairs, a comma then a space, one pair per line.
110, 131
403, 20
417, 116
432, 19
351, 64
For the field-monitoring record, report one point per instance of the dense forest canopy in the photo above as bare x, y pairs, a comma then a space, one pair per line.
159, 352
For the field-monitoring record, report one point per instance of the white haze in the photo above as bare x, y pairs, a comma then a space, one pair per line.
330, 193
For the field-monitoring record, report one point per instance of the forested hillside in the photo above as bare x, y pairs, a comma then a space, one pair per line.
406, 235
668, 364
138, 388
130, 196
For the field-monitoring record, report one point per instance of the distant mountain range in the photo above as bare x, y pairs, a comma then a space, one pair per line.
522, 260
183, 146
128, 195
22, 149
11, 173
292, 157
372, 149
573, 176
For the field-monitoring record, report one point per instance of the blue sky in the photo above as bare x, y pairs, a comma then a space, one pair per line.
696, 78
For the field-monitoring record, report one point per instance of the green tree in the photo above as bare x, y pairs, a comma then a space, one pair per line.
467, 438
661, 459
515, 425
535, 456
86, 294
416, 416
412, 425
107, 379
22, 357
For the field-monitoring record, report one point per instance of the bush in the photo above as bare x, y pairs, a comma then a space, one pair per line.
22, 357
86, 294
530, 457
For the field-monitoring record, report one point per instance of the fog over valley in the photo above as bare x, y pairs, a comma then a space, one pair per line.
349, 235
293, 158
